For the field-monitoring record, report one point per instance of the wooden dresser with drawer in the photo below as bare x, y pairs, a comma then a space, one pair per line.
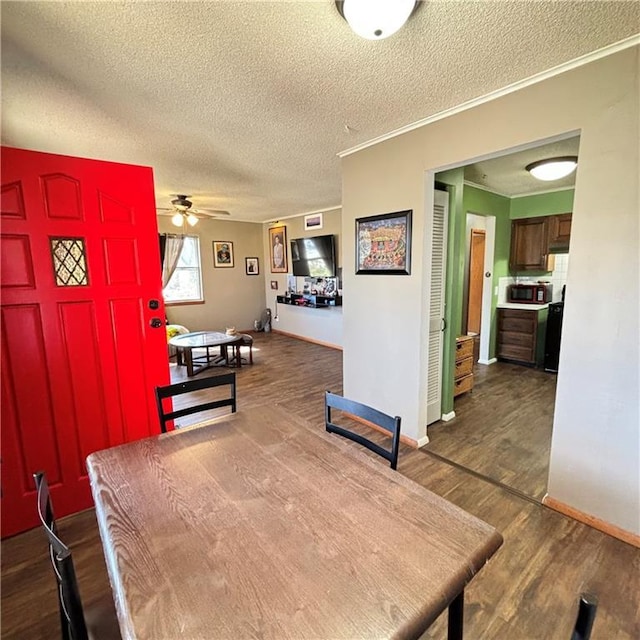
463, 371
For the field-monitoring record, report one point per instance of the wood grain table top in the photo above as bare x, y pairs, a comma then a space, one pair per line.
257, 526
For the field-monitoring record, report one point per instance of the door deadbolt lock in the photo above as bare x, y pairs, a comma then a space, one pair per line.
155, 323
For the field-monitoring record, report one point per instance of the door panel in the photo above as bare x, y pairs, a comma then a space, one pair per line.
436, 306
80, 263
476, 280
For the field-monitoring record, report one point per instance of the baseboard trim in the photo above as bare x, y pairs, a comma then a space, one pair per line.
489, 361
410, 442
606, 527
305, 339
446, 417
418, 443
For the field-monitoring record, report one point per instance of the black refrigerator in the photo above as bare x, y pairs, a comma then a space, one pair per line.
552, 338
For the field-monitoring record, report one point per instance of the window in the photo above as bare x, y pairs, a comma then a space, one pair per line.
186, 282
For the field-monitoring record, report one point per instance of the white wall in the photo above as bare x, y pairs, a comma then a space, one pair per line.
319, 325
595, 457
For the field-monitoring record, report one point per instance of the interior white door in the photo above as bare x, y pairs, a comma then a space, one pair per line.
436, 305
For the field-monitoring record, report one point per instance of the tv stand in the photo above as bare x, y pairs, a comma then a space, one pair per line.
310, 300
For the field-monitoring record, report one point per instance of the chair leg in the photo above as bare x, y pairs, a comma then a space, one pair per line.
586, 615
456, 617
250, 354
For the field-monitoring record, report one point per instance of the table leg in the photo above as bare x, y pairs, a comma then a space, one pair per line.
456, 617
188, 356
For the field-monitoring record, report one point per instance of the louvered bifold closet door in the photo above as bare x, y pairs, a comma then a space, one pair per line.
436, 305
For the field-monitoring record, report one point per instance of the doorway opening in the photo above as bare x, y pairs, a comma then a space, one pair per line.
501, 427
478, 283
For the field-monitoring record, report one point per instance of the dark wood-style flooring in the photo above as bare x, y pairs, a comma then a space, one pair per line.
528, 590
502, 429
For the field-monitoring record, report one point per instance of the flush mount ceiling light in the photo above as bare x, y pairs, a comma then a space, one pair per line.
375, 19
553, 168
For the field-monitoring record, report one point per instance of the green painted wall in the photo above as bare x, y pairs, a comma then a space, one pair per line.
543, 204
454, 180
487, 203
466, 199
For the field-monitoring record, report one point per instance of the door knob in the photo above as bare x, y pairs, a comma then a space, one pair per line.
154, 304
155, 323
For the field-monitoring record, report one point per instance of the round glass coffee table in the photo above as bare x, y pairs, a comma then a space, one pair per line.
186, 343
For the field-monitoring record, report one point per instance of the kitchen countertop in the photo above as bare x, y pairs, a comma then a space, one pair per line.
524, 307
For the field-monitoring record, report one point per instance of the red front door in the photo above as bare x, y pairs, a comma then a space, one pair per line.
80, 279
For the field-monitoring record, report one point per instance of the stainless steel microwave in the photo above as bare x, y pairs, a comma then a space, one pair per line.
530, 293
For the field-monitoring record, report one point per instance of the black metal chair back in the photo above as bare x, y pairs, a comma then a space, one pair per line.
368, 414
172, 390
586, 615
72, 621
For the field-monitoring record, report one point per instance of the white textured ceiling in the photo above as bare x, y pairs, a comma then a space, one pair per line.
507, 174
244, 105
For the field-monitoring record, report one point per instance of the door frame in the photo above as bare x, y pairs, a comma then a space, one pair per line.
487, 286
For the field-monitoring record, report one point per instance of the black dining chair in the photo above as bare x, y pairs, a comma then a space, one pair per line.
101, 620
367, 414
173, 390
587, 607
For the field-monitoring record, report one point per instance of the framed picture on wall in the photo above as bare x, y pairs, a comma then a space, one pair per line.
222, 253
252, 266
278, 249
313, 221
383, 244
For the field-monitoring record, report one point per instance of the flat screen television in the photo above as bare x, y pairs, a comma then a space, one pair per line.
314, 256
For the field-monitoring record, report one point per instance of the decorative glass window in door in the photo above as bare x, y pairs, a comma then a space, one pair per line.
69, 262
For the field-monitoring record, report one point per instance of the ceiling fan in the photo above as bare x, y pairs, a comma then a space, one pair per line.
181, 212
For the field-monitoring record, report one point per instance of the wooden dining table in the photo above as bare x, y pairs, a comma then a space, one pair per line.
257, 525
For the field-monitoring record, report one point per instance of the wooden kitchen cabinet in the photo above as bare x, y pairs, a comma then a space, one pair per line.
530, 245
521, 335
559, 232
463, 372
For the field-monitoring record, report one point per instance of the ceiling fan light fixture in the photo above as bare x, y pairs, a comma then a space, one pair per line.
192, 220
375, 19
177, 219
553, 168
181, 203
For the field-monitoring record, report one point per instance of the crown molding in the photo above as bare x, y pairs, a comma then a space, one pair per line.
482, 187
468, 183
611, 49
540, 193
306, 213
